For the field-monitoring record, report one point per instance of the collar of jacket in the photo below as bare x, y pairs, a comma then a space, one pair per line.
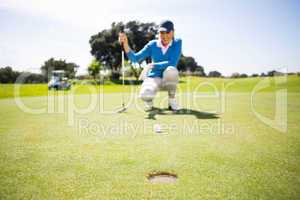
159, 44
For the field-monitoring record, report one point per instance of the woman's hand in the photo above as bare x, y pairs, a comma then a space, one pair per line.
124, 41
150, 65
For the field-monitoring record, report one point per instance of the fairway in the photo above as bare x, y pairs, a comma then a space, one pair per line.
76, 147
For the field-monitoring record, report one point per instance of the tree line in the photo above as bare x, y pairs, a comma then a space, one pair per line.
8, 75
106, 52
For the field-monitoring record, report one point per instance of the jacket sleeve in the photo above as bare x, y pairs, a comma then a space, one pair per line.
174, 58
141, 55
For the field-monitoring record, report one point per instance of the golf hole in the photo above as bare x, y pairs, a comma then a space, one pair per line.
162, 177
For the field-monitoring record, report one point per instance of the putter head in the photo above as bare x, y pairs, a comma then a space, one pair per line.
123, 109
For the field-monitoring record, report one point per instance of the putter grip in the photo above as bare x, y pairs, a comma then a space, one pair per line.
122, 47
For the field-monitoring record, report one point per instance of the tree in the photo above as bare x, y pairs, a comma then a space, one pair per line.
263, 74
271, 73
32, 77
275, 73
235, 75
254, 75
188, 63
7, 75
107, 50
200, 71
52, 64
243, 76
94, 68
214, 74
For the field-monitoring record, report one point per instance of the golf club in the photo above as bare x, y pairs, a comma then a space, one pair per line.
123, 108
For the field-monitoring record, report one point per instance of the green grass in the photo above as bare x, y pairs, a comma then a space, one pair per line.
50, 156
187, 84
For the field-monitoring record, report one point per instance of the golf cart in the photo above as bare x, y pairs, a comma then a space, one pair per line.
58, 81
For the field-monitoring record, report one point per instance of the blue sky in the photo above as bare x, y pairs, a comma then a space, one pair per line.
228, 36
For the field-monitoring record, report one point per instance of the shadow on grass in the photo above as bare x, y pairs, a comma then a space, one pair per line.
199, 115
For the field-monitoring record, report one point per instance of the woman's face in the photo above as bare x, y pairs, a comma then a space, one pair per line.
166, 37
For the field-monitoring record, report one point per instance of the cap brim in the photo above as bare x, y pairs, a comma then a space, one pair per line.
162, 29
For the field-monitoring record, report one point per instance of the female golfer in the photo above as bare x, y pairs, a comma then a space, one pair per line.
162, 73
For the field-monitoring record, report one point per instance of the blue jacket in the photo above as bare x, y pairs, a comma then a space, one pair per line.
161, 61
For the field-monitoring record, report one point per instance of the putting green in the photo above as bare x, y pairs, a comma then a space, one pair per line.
217, 145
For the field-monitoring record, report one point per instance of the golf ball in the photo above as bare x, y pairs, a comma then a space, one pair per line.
157, 128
